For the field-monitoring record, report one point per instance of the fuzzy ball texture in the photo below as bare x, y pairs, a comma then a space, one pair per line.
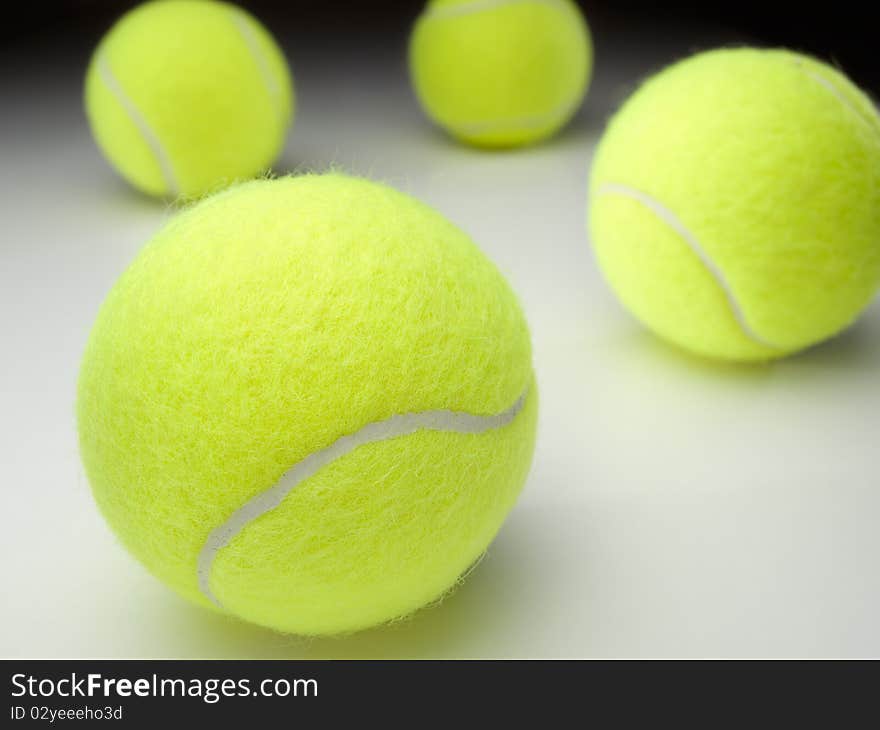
257, 341
735, 203
500, 73
185, 96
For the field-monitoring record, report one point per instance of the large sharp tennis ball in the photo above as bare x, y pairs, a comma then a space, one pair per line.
308, 402
184, 97
735, 203
500, 73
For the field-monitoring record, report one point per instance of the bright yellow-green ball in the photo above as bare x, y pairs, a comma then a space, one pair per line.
735, 203
309, 402
186, 96
501, 73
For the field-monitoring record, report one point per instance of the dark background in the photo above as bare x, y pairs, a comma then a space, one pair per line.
844, 32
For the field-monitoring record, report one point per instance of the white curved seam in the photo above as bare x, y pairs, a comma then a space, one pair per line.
671, 220
390, 428
252, 42
517, 124
829, 85
149, 136
479, 6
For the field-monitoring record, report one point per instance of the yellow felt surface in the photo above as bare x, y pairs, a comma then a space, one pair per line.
257, 328
379, 533
500, 73
772, 161
209, 82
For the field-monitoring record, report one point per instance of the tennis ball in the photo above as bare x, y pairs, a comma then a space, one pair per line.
309, 402
735, 203
184, 97
500, 73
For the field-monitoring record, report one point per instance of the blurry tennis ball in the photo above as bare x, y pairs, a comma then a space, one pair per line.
309, 403
735, 203
500, 73
185, 96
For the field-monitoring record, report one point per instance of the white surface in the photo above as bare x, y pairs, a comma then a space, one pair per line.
675, 507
